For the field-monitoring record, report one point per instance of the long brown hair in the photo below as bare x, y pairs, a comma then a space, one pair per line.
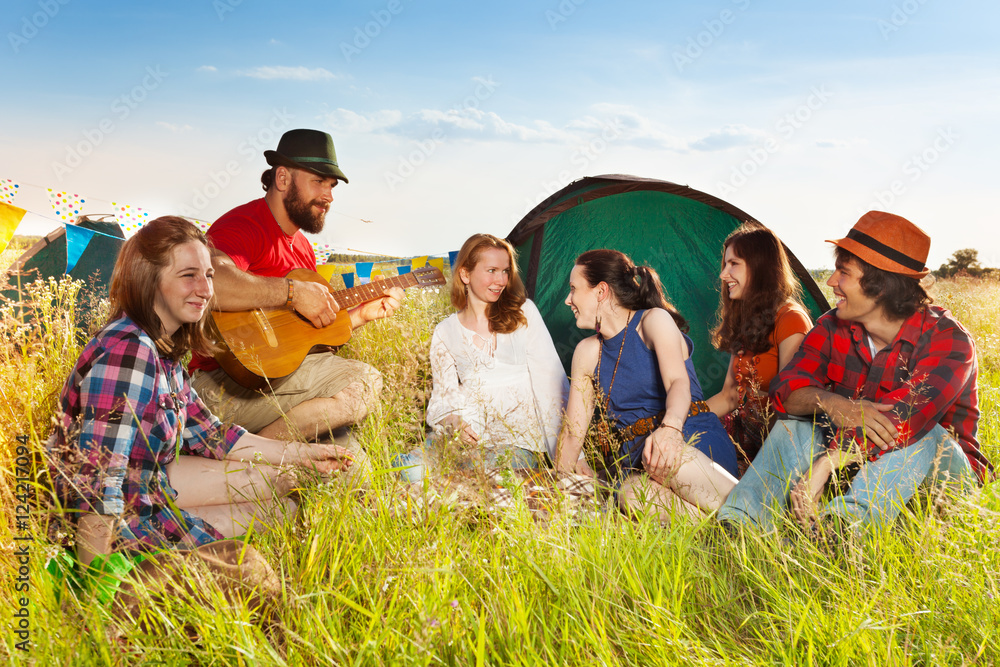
136, 279
635, 287
747, 323
505, 314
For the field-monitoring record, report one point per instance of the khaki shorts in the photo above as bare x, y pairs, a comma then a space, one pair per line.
322, 374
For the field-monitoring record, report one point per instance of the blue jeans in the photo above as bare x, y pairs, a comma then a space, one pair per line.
877, 494
414, 466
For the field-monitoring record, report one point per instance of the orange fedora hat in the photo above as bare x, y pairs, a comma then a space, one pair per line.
888, 242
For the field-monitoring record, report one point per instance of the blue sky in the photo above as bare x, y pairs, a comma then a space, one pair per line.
451, 118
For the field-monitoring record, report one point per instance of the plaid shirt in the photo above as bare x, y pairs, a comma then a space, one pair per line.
126, 414
929, 373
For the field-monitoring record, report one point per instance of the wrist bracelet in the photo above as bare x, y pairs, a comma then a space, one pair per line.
291, 292
666, 425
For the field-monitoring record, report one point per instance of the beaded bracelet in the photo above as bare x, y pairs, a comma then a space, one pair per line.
291, 292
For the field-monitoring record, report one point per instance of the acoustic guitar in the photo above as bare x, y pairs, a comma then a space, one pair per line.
269, 343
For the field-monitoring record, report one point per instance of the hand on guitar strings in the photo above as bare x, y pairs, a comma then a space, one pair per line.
314, 302
376, 310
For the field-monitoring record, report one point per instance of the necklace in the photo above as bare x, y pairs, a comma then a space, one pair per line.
603, 431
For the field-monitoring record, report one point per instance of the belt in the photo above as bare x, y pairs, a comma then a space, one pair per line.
647, 425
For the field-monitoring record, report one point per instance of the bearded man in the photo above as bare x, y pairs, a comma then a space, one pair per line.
255, 246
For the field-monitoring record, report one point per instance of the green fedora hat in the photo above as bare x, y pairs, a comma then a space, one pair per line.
306, 149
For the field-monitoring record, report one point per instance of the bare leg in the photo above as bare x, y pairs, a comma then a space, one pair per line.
201, 482
698, 480
234, 520
639, 493
314, 418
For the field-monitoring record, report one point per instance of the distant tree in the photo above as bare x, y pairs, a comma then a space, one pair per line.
961, 261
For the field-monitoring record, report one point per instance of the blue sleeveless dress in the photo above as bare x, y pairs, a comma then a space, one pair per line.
638, 392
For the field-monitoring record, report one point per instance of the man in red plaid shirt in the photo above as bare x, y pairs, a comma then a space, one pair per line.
885, 378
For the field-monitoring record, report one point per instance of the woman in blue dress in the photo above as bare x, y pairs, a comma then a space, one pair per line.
660, 443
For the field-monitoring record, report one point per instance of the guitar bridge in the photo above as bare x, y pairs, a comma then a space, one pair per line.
266, 329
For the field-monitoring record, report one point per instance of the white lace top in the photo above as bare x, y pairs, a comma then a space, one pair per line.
513, 395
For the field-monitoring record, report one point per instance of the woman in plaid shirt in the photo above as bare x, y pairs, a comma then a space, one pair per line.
137, 461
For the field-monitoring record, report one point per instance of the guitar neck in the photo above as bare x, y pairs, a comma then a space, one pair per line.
355, 296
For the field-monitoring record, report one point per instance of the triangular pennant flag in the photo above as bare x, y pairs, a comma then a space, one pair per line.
404, 269
130, 218
327, 271
66, 206
452, 256
10, 218
437, 262
364, 271
77, 240
348, 280
201, 224
8, 190
419, 262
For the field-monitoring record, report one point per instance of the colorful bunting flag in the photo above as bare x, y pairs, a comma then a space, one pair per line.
8, 190
348, 280
201, 224
364, 271
437, 262
419, 262
404, 269
10, 218
322, 251
130, 218
327, 271
77, 240
66, 206
452, 256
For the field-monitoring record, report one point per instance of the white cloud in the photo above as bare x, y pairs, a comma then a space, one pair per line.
176, 129
832, 143
208, 68
349, 121
728, 136
289, 73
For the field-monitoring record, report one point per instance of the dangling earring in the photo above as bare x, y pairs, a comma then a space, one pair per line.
597, 323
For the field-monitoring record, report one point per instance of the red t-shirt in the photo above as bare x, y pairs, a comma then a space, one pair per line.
251, 237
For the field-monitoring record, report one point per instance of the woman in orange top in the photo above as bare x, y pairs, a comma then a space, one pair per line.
762, 323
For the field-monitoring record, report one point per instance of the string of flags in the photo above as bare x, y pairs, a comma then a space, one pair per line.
68, 206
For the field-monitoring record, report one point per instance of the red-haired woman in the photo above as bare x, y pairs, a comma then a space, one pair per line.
137, 461
662, 446
762, 324
498, 383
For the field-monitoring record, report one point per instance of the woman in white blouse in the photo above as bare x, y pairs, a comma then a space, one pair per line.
499, 387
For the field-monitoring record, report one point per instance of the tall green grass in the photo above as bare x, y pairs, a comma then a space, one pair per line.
376, 578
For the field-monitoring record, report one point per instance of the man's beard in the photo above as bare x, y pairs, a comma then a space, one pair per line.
301, 213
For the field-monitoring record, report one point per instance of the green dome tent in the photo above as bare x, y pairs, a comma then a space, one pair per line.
92, 262
674, 229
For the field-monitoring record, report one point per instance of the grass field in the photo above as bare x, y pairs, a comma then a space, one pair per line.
376, 579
